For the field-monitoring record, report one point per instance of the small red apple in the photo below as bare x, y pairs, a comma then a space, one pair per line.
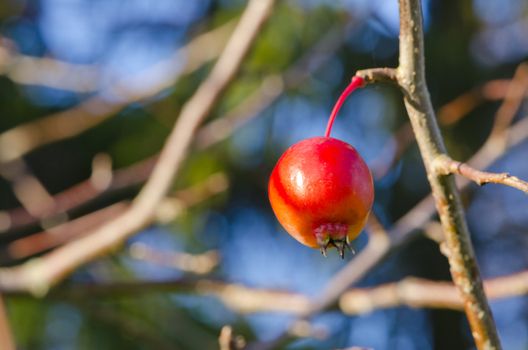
321, 190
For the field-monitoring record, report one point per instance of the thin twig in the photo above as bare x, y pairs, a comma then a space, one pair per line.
26, 187
493, 90
42, 241
410, 291
463, 265
200, 264
45, 71
24, 138
419, 293
373, 75
271, 88
167, 210
78, 195
237, 297
512, 101
39, 275
445, 165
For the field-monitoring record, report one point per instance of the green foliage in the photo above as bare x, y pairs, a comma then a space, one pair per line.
28, 321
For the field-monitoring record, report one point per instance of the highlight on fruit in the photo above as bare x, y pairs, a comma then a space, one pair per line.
321, 190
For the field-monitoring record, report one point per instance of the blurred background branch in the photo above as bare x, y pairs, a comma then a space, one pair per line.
210, 253
410, 291
38, 276
28, 70
22, 139
210, 134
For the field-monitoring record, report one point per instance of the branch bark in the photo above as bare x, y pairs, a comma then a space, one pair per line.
445, 165
463, 265
378, 75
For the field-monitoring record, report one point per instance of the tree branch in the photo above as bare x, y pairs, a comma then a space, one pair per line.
199, 264
419, 293
45, 71
39, 242
378, 75
78, 195
39, 275
18, 141
410, 291
445, 165
464, 269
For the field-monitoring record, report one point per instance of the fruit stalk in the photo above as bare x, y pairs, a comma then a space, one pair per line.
356, 82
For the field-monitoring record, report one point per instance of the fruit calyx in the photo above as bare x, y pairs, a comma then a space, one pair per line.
332, 235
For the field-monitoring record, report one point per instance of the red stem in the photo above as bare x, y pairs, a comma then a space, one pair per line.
356, 82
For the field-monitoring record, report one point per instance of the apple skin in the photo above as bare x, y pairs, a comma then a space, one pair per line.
321, 190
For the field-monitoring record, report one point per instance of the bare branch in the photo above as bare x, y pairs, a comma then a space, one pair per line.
445, 165
38, 275
167, 210
29, 191
512, 101
410, 291
270, 89
200, 264
419, 293
463, 265
42, 241
28, 70
378, 75
24, 138
237, 297
493, 90
79, 194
